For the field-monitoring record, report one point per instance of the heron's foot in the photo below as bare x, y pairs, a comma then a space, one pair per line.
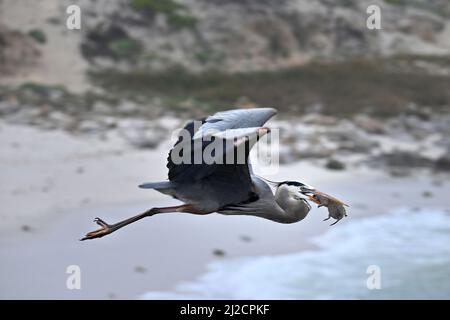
326, 219
103, 231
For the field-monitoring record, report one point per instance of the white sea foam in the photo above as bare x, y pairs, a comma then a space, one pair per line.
411, 247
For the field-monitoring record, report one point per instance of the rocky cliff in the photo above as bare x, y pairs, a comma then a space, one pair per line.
248, 35
223, 35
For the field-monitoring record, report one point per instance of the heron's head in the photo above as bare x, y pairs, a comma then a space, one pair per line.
297, 189
291, 197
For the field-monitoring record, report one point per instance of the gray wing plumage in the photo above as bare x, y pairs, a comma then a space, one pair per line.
236, 119
226, 183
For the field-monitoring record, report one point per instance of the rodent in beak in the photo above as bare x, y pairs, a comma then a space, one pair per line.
335, 206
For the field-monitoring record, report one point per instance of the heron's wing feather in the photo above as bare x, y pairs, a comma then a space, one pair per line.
227, 127
235, 119
229, 134
196, 159
231, 124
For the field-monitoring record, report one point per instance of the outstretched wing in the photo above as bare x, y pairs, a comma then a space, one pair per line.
231, 181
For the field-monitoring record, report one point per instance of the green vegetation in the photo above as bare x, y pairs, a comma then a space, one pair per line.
37, 95
396, 2
163, 6
209, 57
179, 21
385, 87
113, 42
125, 47
342, 88
169, 8
442, 60
38, 35
39, 88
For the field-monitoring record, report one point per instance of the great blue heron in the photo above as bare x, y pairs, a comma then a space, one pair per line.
225, 188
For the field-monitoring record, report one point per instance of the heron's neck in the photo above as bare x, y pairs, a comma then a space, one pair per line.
294, 209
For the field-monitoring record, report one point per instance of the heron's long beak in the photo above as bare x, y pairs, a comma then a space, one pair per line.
306, 189
309, 192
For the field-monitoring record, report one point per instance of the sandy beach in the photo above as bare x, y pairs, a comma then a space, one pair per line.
54, 184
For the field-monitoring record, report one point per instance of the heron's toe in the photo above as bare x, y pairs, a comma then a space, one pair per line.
103, 231
100, 222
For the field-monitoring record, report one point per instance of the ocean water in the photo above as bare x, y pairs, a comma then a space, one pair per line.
409, 248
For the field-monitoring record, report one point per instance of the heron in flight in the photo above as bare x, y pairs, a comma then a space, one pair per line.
230, 187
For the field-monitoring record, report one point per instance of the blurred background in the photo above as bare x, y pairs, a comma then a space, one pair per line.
87, 115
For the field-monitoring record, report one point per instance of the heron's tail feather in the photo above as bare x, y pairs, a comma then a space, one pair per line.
156, 185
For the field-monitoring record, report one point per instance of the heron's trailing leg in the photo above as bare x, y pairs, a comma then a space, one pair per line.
110, 228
